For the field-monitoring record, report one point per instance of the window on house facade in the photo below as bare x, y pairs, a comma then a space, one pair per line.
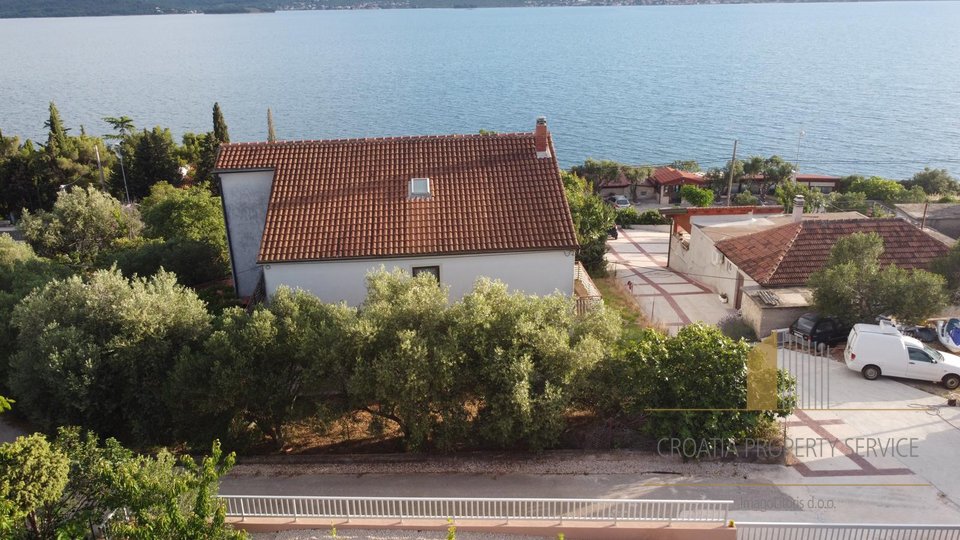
432, 270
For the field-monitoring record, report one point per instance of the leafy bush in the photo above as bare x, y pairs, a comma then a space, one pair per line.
21, 271
705, 370
853, 201
98, 352
745, 198
934, 181
855, 288
653, 217
592, 218
194, 262
734, 327
947, 199
59, 489
82, 224
627, 216
696, 196
813, 199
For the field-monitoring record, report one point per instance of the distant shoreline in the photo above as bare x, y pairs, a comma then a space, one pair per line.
408, 5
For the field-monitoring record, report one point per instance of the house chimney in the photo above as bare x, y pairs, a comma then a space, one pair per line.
540, 136
797, 208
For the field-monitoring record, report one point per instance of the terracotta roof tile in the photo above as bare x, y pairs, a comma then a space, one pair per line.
348, 198
668, 176
785, 256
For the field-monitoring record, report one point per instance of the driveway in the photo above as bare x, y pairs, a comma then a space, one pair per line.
876, 438
638, 259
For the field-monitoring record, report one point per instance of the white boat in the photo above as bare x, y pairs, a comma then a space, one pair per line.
948, 331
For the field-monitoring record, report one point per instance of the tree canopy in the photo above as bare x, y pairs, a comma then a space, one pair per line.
855, 288
83, 223
98, 352
62, 489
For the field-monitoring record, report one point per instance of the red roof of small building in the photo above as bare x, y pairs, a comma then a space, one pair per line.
620, 181
349, 198
785, 256
668, 176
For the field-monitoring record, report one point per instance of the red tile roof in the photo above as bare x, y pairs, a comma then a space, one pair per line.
619, 182
785, 256
349, 198
668, 176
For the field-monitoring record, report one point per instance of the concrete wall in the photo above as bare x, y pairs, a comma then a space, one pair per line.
245, 198
765, 319
540, 273
705, 264
949, 226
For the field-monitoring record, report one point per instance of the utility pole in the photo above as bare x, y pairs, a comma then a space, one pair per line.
103, 186
923, 222
797, 166
733, 162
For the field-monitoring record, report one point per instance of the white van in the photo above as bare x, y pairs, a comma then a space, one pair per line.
876, 350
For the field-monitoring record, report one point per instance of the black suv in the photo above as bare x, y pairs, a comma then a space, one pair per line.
820, 329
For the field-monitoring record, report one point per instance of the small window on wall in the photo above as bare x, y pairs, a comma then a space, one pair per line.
432, 270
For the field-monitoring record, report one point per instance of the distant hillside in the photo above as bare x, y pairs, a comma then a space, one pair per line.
84, 8
80, 8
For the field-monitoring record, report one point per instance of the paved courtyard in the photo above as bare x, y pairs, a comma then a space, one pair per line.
638, 259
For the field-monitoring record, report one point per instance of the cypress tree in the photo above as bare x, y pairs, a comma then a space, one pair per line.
219, 125
57, 138
271, 132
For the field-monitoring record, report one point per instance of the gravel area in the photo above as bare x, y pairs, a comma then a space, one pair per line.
362, 534
553, 463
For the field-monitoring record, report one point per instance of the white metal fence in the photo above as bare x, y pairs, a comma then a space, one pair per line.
608, 510
844, 531
809, 363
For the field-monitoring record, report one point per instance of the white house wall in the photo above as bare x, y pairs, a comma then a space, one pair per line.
540, 273
705, 264
245, 197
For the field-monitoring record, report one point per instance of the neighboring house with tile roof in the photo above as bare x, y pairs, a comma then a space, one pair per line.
667, 181
320, 215
622, 185
944, 217
761, 263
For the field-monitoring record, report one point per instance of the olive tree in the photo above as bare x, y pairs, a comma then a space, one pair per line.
82, 224
98, 352
407, 369
523, 354
855, 288
299, 349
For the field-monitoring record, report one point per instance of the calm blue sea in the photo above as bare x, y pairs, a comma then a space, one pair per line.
874, 86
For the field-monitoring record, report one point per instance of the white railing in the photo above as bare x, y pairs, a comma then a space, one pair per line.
845, 531
559, 510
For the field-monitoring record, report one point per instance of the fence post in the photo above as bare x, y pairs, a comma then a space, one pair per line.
243, 516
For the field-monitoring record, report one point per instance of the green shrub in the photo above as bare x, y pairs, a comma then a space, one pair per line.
734, 327
194, 262
653, 217
745, 198
706, 371
696, 196
627, 216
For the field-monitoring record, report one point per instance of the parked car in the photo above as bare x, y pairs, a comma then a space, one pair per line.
876, 350
619, 201
820, 329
